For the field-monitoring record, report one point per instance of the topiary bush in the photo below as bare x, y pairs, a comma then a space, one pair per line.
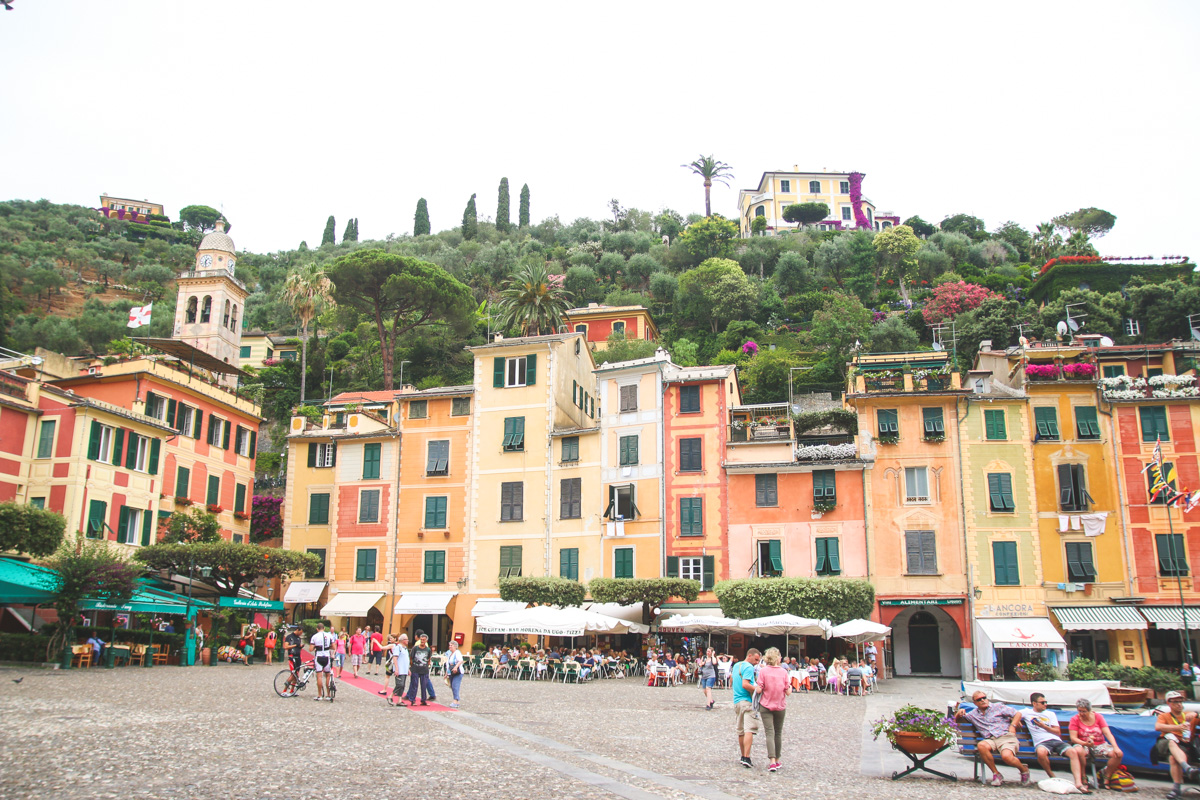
835, 599
546, 590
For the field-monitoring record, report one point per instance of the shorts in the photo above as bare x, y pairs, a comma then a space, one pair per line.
708, 683
1056, 746
339, 659
1102, 751
293, 663
1006, 742
356, 659
376, 657
1162, 749
323, 663
747, 717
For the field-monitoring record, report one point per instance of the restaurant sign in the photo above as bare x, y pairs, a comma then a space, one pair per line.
923, 601
247, 602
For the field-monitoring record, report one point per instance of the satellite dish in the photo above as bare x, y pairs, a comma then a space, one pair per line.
1073, 325
1107, 342
1062, 328
938, 346
1196, 333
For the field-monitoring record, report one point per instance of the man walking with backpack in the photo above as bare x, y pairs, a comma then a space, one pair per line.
421, 656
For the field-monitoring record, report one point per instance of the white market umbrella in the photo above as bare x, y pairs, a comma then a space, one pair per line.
554, 621
697, 623
858, 631
787, 626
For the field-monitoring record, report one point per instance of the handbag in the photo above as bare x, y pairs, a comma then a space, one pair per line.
1122, 781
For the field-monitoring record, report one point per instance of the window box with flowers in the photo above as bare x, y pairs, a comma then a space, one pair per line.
823, 506
1079, 371
1041, 372
893, 439
934, 438
241, 515
213, 508
183, 501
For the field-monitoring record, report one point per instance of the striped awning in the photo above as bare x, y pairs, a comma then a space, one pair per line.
1099, 618
1170, 618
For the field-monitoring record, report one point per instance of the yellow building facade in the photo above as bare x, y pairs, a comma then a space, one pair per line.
778, 190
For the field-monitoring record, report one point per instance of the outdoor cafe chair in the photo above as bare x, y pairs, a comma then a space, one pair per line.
554, 669
81, 655
854, 685
571, 672
161, 651
486, 664
435, 665
525, 669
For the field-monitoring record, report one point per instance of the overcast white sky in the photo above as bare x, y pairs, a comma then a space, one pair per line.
283, 113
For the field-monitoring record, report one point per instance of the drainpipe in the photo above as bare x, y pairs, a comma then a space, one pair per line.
662, 477
549, 457
396, 519
962, 496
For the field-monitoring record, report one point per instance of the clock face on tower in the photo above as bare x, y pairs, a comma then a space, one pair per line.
231, 263
205, 261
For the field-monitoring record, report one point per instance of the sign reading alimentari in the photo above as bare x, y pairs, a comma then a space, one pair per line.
922, 601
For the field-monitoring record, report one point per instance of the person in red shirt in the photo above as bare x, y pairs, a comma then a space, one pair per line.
1090, 730
376, 651
357, 648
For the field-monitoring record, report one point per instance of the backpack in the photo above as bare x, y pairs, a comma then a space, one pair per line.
1122, 781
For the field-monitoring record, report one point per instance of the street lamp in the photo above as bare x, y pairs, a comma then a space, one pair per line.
190, 637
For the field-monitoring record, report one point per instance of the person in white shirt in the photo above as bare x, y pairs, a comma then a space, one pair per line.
321, 644
1047, 741
871, 653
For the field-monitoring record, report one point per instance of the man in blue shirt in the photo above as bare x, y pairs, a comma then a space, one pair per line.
742, 678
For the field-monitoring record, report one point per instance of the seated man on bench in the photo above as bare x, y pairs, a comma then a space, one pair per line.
1047, 741
1175, 728
997, 725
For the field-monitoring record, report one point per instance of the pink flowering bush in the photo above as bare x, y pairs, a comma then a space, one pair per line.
750, 348
1079, 372
266, 518
951, 299
1041, 372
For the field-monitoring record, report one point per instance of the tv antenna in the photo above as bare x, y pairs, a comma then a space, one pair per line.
1071, 324
939, 337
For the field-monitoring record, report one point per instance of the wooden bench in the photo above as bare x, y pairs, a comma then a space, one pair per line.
968, 739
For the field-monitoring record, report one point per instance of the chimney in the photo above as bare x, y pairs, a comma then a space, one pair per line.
795, 167
985, 346
593, 305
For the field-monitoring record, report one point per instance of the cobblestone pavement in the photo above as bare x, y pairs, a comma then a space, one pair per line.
221, 732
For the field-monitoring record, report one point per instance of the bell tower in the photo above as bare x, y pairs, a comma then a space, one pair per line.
211, 302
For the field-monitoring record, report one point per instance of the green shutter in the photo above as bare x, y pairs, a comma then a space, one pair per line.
672, 566
94, 442
152, 467
1046, 420
994, 424
225, 438
623, 563
131, 451
372, 453
183, 479
531, 369
147, 519
198, 425
118, 446
239, 497
253, 443
312, 455
498, 372
1004, 558
46, 439
435, 566
889, 424
172, 409
835, 563
97, 518
151, 398
318, 509
709, 566
568, 563
123, 525
214, 490
776, 555
822, 556
1087, 424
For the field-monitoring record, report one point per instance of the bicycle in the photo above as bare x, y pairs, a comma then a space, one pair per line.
289, 684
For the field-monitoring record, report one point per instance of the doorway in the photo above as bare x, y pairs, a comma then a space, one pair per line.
924, 647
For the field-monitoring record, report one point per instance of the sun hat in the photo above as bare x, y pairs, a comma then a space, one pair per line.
1175, 696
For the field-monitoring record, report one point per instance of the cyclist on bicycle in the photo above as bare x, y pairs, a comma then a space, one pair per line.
291, 646
321, 643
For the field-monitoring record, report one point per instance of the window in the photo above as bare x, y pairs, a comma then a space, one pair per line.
437, 458
570, 502
239, 497
916, 484
760, 211
1004, 563
814, 187
628, 446
368, 505
1087, 425
1045, 419
623, 562
770, 558
993, 424
1080, 566
846, 213
1132, 327
691, 569
319, 552
270, 354
622, 503
568, 563
1114, 370
510, 561
186, 421
785, 186
691, 516
1167, 477
206, 311
828, 556
214, 490
97, 519
243, 442
105, 443
512, 502
824, 486
920, 549
372, 454
46, 439
435, 566
889, 423
514, 434
37, 502
618, 327
288, 355
318, 508
629, 398
460, 406
1172, 558
844, 187
1154, 423
1072, 488
689, 400
691, 456
322, 454
1153, 372
158, 406
183, 480
581, 329
418, 409
130, 526
218, 432
244, 351
516, 371
934, 426
435, 512
766, 490
138, 455
570, 448
364, 568
1000, 496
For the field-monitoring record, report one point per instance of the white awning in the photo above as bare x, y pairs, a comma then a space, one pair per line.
1170, 618
629, 613
1027, 633
351, 604
1099, 618
486, 606
304, 591
423, 602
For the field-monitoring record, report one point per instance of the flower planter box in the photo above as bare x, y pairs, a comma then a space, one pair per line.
1025, 675
916, 743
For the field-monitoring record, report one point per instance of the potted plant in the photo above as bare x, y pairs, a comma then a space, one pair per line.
891, 439
1026, 671
917, 730
822, 506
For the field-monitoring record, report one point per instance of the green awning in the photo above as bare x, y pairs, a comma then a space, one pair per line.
146, 600
22, 583
250, 602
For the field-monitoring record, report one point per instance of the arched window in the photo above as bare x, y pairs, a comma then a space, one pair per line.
814, 187
190, 314
206, 310
225, 319
233, 319
761, 211
619, 327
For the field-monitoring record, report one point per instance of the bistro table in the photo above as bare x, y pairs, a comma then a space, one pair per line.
119, 652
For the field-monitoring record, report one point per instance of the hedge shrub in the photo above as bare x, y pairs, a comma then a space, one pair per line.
1102, 278
834, 599
840, 418
554, 591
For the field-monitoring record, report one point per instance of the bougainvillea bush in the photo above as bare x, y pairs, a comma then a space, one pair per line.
1041, 372
266, 518
954, 298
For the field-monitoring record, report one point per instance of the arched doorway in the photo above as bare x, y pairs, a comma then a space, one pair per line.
923, 648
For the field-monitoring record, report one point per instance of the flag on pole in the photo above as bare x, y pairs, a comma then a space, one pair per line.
139, 316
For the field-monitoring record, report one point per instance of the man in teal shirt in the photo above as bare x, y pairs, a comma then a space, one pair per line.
742, 678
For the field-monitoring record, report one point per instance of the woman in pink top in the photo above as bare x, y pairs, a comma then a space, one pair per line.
358, 644
772, 686
339, 654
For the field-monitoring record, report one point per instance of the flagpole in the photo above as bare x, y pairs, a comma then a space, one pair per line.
1187, 639
1171, 496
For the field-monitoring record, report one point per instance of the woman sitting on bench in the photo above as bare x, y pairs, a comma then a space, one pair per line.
1090, 730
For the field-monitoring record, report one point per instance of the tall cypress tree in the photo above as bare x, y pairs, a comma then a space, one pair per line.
351, 232
502, 223
470, 223
330, 234
523, 213
421, 221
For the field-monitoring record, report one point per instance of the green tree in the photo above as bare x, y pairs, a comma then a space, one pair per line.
711, 237
194, 527
1047, 244
663, 287
835, 599
583, 285
685, 353
399, 294
29, 530
920, 227
502, 223
668, 223
841, 323
470, 221
1078, 244
551, 591
1101, 313
421, 220
897, 248
1094, 222
791, 274
765, 377
714, 293
758, 225
805, 213
351, 232
330, 235
87, 570
307, 292
1013, 234
1163, 308
967, 225
893, 335
200, 218
523, 211
710, 170
233, 564
621, 349
531, 302
650, 592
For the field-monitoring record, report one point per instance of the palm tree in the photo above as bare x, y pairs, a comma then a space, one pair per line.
1046, 243
711, 170
531, 302
307, 291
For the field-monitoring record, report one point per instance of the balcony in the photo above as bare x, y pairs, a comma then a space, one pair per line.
938, 379
767, 422
12, 386
1073, 371
815, 449
1159, 387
